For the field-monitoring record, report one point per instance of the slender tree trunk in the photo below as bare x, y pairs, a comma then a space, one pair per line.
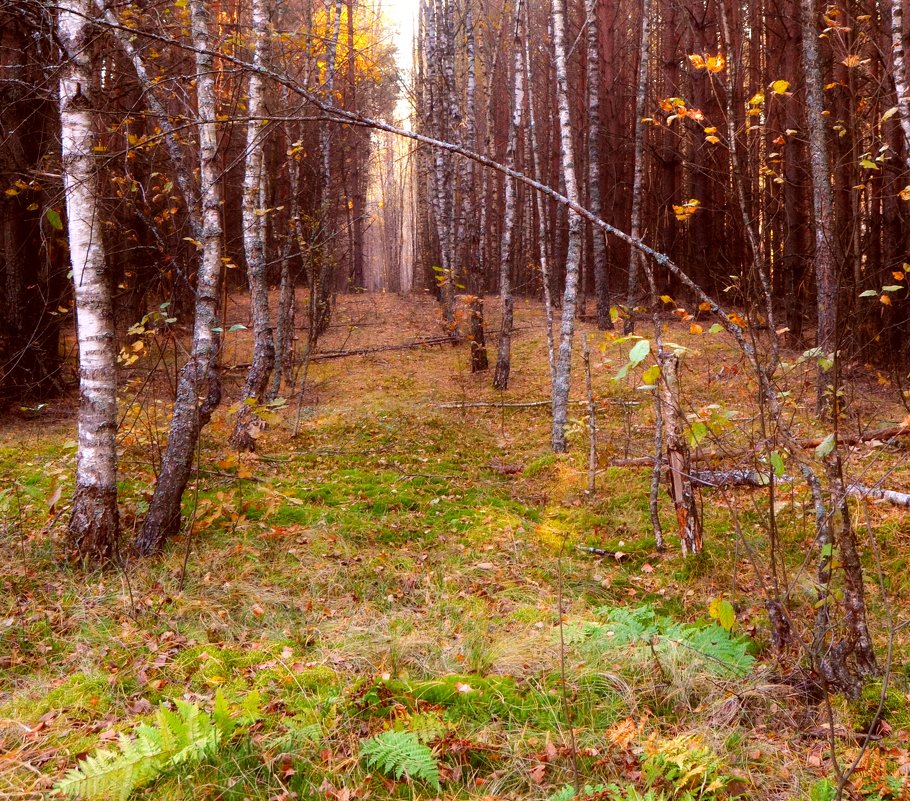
506, 254
638, 168
199, 377
822, 203
469, 227
94, 524
244, 436
900, 73
598, 243
576, 231
536, 173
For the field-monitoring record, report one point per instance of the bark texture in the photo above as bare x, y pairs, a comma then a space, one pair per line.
506, 254
94, 524
576, 232
198, 387
254, 221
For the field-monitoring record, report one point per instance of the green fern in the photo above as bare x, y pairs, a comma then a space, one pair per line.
709, 649
185, 735
399, 753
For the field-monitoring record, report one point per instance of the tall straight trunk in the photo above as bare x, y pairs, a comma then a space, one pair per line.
469, 227
94, 524
576, 232
598, 244
638, 168
900, 73
199, 377
254, 242
506, 254
359, 152
822, 202
536, 172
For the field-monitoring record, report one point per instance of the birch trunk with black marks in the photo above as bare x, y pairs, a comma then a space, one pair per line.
576, 232
94, 523
825, 257
638, 168
199, 386
504, 355
246, 428
900, 73
470, 229
536, 172
598, 243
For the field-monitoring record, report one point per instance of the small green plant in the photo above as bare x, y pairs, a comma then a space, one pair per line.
690, 768
600, 792
710, 648
823, 790
186, 735
400, 753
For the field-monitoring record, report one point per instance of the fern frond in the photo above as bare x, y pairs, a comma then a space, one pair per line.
399, 753
186, 735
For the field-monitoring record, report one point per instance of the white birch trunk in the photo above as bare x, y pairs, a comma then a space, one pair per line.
537, 173
573, 256
199, 388
503, 358
94, 524
598, 243
900, 73
254, 241
638, 169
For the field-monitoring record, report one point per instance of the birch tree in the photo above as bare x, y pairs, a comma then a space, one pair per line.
199, 387
598, 245
94, 523
254, 240
822, 202
506, 253
576, 231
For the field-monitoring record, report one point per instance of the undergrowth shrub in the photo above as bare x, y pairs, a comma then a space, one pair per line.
687, 660
180, 737
400, 753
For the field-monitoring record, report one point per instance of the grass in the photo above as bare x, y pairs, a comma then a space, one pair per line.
381, 572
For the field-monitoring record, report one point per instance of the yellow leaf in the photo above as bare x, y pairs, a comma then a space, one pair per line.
695, 328
712, 139
904, 194
898, 276
697, 61
780, 87
757, 99
704, 307
667, 299
889, 113
885, 300
851, 61
710, 130
715, 63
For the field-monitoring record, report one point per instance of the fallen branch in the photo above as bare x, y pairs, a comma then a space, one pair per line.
882, 434
518, 404
342, 354
721, 479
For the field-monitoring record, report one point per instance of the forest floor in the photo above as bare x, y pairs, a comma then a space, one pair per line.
400, 566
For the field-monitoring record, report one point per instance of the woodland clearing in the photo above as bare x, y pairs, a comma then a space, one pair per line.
400, 566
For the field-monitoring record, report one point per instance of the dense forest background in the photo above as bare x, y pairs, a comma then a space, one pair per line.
629, 278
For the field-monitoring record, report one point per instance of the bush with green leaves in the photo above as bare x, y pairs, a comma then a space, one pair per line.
181, 736
609, 792
400, 753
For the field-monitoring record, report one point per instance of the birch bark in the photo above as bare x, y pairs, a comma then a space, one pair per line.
94, 524
900, 73
573, 255
822, 203
199, 387
503, 357
638, 169
244, 436
598, 244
